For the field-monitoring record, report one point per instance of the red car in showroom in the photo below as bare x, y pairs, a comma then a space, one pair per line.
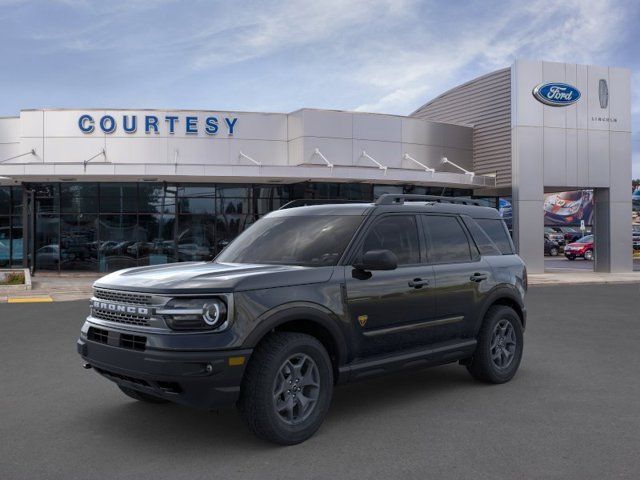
582, 248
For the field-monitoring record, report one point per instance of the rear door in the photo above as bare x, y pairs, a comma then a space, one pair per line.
462, 277
390, 309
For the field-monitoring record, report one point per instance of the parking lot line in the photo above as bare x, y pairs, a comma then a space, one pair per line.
29, 299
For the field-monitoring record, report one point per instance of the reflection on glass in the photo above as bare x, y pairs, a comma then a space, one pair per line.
197, 205
196, 190
16, 241
47, 250
16, 200
233, 206
5, 200
155, 243
195, 239
78, 242
232, 191
5, 241
152, 198
117, 234
79, 197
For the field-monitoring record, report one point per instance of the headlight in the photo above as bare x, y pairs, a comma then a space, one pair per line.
194, 313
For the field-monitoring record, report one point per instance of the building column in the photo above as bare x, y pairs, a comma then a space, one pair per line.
528, 232
612, 232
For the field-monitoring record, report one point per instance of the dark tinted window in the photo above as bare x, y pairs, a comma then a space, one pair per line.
5, 241
485, 245
5, 200
447, 241
497, 233
315, 240
396, 233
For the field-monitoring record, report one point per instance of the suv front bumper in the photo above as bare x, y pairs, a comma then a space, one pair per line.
202, 379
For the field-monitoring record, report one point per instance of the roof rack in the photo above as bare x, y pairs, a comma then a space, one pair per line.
399, 199
304, 202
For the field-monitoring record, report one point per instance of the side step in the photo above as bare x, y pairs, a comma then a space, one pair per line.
435, 355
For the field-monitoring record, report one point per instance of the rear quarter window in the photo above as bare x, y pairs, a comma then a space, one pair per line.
497, 232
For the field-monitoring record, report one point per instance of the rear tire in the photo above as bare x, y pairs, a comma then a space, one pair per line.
588, 255
284, 369
500, 345
141, 396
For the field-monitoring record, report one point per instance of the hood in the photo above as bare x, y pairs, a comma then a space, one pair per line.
210, 277
579, 245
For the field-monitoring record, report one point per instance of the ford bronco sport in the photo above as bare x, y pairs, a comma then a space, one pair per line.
310, 297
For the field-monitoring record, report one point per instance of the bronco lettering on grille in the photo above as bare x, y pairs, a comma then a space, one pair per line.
114, 307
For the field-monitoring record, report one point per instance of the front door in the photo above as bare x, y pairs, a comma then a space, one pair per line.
390, 309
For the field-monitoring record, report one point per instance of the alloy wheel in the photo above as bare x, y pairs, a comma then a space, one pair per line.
503, 344
296, 389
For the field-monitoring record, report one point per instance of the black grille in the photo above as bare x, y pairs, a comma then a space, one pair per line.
122, 297
98, 335
133, 342
120, 317
117, 376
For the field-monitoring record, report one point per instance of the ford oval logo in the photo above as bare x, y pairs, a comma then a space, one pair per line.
556, 94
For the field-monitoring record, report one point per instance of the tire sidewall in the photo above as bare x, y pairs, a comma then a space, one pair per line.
297, 433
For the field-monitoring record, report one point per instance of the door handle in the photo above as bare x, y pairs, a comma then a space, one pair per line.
418, 283
478, 277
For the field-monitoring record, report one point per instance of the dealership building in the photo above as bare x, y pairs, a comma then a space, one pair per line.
103, 189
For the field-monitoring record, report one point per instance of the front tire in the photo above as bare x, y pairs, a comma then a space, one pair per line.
141, 396
500, 345
553, 252
287, 388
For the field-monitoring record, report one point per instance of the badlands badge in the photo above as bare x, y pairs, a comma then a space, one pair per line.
362, 319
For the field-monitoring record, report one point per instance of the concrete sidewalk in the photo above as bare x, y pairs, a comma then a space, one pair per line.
577, 277
53, 287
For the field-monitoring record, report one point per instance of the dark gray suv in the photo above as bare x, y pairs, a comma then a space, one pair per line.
310, 297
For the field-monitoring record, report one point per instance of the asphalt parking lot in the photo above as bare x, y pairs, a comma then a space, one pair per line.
571, 412
560, 263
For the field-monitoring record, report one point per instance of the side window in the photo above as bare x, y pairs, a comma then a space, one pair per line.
484, 243
447, 240
497, 232
398, 233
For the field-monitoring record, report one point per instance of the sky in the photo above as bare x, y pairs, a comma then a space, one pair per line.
388, 56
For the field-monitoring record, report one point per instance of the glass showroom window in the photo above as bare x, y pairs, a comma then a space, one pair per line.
10, 227
107, 226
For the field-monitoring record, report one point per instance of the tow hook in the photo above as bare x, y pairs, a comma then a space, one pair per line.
86, 366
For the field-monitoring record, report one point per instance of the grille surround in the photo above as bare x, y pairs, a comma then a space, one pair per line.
116, 296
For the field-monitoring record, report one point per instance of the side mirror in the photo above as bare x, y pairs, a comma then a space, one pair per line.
377, 260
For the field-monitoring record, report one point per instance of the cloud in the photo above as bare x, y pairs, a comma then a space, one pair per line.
286, 26
569, 31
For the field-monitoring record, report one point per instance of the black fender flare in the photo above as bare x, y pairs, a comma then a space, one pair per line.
501, 293
293, 311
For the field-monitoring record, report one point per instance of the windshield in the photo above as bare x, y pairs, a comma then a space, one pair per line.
314, 240
587, 239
